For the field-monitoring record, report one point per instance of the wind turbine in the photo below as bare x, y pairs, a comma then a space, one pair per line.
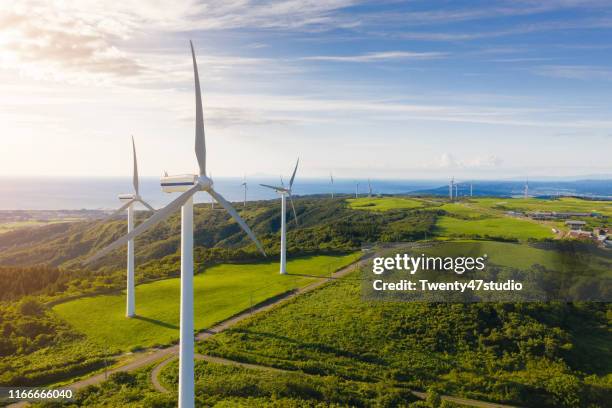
129, 200
471, 189
244, 185
331, 177
284, 192
456, 191
369, 188
450, 188
357, 191
189, 185
526, 191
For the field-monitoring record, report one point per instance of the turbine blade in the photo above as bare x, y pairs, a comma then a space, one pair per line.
272, 187
153, 220
200, 142
228, 207
143, 202
293, 207
118, 211
293, 175
135, 174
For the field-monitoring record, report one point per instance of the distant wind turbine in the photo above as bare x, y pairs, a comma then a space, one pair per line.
331, 177
357, 191
129, 200
189, 185
471, 190
526, 190
244, 185
284, 192
369, 188
450, 188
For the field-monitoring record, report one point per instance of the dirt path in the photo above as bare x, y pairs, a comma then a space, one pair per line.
211, 359
218, 360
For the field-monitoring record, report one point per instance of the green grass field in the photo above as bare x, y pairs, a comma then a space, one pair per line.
383, 203
513, 255
503, 227
220, 292
566, 204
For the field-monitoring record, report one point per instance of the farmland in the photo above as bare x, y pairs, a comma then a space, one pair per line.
220, 292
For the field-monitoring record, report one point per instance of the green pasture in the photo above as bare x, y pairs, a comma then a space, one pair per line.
384, 203
502, 227
565, 204
220, 292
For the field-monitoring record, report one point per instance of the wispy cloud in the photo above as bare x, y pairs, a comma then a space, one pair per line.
580, 72
378, 56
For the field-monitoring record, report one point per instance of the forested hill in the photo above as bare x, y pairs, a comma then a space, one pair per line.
325, 225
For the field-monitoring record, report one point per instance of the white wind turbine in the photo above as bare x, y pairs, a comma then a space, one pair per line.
188, 184
526, 190
450, 188
357, 191
244, 185
284, 192
331, 177
369, 188
129, 200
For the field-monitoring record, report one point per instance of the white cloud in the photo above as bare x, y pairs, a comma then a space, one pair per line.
378, 56
449, 161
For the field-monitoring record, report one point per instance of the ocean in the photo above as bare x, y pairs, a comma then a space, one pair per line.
101, 193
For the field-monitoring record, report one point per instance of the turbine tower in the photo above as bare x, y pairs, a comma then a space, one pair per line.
471, 189
212, 200
331, 177
456, 191
357, 191
526, 190
129, 200
284, 192
189, 185
244, 185
369, 188
450, 188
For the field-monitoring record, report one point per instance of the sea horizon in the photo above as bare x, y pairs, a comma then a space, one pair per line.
101, 193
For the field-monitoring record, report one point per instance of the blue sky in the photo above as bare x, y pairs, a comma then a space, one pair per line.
385, 89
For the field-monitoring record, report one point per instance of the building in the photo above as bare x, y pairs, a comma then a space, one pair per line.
575, 225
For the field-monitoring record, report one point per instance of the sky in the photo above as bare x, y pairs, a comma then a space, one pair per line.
383, 89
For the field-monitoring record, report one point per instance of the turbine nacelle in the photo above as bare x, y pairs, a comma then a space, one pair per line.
128, 197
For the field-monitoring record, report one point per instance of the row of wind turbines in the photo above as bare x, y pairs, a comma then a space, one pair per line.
453, 189
188, 185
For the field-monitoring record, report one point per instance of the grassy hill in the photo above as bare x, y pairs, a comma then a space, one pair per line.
219, 292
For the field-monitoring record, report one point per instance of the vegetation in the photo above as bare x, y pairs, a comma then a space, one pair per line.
504, 228
531, 354
384, 204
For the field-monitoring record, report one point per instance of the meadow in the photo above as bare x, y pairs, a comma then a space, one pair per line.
494, 227
384, 203
219, 293
564, 204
